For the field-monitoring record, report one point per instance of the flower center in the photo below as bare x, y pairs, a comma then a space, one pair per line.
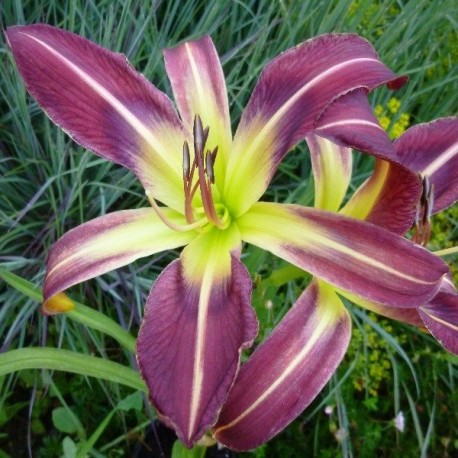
203, 164
210, 214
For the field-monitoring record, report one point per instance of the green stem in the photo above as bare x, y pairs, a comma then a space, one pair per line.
446, 251
81, 313
69, 361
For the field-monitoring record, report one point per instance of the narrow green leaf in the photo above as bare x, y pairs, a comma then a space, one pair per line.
429, 433
86, 446
81, 313
23, 286
68, 361
100, 322
416, 420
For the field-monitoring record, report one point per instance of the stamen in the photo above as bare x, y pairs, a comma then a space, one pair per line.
214, 153
186, 162
206, 132
176, 227
209, 167
424, 212
199, 135
203, 161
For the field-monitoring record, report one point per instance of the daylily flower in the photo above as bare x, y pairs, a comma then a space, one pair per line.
431, 151
388, 199
306, 350
198, 316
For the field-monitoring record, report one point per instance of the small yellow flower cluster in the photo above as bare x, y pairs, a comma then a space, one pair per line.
373, 366
395, 124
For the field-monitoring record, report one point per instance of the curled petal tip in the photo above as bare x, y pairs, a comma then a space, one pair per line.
59, 303
397, 83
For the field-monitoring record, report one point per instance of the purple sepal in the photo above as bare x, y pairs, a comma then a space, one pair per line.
287, 371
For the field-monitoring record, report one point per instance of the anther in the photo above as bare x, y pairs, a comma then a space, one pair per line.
209, 167
424, 212
186, 161
214, 153
199, 135
206, 132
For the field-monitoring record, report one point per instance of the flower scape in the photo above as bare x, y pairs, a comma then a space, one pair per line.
204, 186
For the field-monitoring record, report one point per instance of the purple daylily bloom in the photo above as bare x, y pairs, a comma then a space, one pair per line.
198, 315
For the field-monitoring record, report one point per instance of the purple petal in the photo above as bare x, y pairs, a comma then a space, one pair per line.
349, 121
291, 94
106, 243
432, 151
354, 255
103, 104
198, 84
287, 371
189, 344
388, 198
440, 316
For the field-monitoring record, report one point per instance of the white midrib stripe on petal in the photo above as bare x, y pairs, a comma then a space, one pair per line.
198, 370
311, 341
439, 320
196, 77
111, 99
293, 99
446, 156
350, 122
316, 239
309, 238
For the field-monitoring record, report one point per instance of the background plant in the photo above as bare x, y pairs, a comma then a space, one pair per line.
49, 185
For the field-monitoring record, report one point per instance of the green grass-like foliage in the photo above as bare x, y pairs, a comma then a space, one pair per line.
49, 185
